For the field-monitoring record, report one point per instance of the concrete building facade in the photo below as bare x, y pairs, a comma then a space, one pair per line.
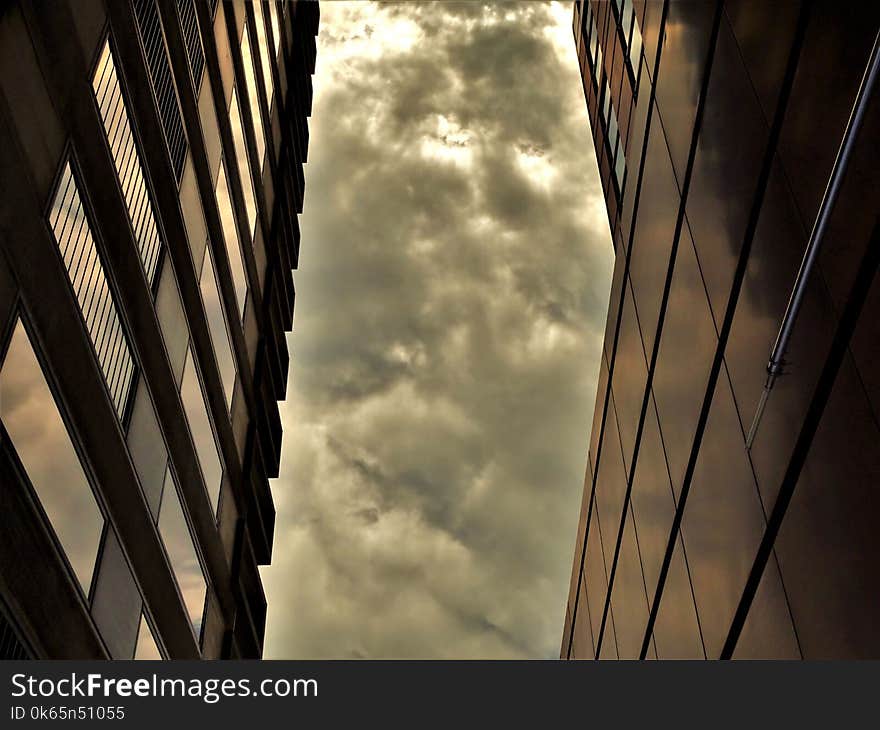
152, 167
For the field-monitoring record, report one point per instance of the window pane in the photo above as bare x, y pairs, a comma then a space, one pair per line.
210, 130
635, 48
147, 447
626, 18
613, 131
620, 168
85, 272
146, 645
230, 235
43, 445
263, 43
276, 28
217, 326
182, 554
172, 320
116, 600
250, 79
244, 165
127, 161
200, 428
594, 43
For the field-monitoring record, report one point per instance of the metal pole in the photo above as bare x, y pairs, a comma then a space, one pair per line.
814, 244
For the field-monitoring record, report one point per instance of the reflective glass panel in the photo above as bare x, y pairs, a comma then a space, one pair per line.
200, 427
82, 261
251, 82
146, 645
230, 236
244, 165
39, 437
182, 554
276, 28
126, 158
263, 43
217, 326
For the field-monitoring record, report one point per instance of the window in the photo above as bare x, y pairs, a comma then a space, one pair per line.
200, 427
172, 321
146, 647
217, 326
276, 28
85, 272
263, 43
244, 165
129, 170
196, 233
182, 553
248, 61
613, 130
612, 138
630, 34
186, 11
600, 81
37, 432
620, 169
591, 40
150, 456
153, 42
147, 447
230, 236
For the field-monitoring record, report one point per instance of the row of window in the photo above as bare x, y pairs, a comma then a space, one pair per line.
628, 26
141, 217
35, 428
171, 520
590, 34
267, 47
67, 214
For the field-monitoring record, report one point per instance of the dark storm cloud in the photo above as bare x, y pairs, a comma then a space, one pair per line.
450, 308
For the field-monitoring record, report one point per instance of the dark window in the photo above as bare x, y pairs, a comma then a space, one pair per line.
186, 10
150, 30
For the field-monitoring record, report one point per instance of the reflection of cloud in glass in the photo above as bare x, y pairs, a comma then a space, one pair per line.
230, 235
217, 326
276, 30
43, 445
263, 43
146, 645
200, 428
251, 83
184, 560
244, 165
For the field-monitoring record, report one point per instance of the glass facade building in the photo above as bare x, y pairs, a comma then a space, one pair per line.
152, 180
717, 126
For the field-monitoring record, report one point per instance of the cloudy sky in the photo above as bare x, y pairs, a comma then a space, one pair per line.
451, 299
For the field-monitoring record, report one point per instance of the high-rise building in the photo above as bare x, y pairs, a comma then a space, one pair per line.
731, 505
152, 173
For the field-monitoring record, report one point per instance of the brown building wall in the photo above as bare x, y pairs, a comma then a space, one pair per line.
710, 228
